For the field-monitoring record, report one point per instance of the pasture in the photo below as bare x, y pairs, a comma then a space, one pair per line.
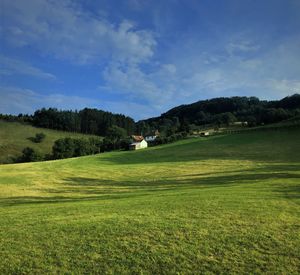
223, 204
14, 137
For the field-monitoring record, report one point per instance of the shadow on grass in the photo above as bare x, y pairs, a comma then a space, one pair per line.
21, 200
258, 146
76, 189
290, 192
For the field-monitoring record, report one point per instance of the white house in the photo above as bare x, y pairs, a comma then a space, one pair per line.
138, 143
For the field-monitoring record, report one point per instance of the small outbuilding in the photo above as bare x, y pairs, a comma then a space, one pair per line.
204, 134
152, 135
240, 123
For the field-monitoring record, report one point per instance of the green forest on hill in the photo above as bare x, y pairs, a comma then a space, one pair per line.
212, 112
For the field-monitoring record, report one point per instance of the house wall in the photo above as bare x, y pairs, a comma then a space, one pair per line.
143, 144
139, 145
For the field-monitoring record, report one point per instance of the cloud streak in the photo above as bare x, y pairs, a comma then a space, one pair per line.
11, 66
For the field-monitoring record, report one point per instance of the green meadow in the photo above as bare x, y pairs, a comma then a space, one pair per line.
227, 204
14, 137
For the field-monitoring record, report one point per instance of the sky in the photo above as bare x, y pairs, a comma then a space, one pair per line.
143, 57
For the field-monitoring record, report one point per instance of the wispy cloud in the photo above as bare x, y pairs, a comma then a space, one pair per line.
11, 66
154, 88
62, 29
191, 77
241, 47
16, 100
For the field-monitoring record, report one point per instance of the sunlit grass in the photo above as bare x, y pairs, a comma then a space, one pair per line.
226, 204
14, 137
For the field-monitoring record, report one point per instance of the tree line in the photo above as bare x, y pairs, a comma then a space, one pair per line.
222, 111
214, 112
173, 125
87, 121
75, 147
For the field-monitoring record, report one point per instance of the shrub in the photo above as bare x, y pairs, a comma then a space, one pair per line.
70, 147
39, 137
63, 148
29, 155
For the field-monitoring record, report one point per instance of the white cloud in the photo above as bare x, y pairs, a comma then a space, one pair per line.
16, 100
241, 47
284, 87
269, 72
62, 29
189, 78
11, 66
136, 84
169, 68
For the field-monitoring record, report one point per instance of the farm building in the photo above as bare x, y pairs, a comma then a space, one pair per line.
240, 123
152, 136
138, 143
204, 134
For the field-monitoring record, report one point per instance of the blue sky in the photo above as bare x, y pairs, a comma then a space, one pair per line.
141, 57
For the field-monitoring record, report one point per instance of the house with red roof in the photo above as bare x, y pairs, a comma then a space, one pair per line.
138, 143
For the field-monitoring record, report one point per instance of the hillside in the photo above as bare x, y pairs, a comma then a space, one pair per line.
223, 112
224, 204
14, 137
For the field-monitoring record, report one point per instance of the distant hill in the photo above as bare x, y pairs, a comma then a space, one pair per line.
205, 114
218, 112
14, 137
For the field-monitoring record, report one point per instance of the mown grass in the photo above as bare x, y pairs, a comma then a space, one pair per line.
14, 137
225, 204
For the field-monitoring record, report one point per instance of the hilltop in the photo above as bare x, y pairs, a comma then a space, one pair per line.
210, 113
223, 112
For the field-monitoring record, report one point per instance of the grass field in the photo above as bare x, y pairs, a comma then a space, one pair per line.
226, 204
14, 137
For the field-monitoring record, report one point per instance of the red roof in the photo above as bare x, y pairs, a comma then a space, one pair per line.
137, 138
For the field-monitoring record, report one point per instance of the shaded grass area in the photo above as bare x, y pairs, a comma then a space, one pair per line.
178, 208
256, 146
110, 189
14, 137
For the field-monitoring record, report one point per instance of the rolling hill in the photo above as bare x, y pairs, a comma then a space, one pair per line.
222, 112
14, 137
223, 204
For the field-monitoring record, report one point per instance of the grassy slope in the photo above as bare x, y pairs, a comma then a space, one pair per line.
14, 138
226, 204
